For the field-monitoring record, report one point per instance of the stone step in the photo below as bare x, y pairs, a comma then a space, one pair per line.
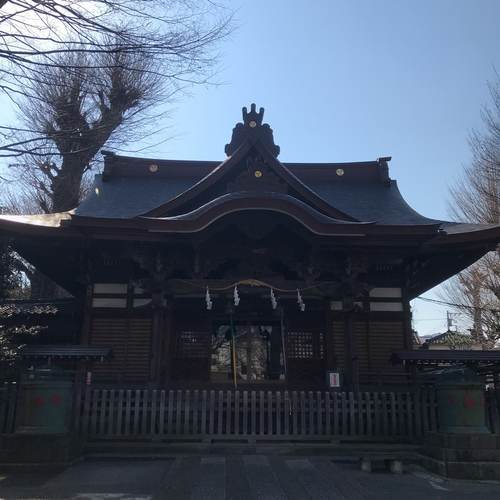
463, 455
486, 471
131, 449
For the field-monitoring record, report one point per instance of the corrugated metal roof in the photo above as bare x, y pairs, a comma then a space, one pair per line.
66, 351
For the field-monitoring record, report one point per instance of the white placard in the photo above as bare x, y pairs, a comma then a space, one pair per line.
333, 379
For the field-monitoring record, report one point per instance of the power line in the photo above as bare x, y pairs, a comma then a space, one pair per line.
444, 303
429, 319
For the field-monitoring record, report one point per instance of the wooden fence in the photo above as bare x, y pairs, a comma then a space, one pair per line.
255, 415
8, 399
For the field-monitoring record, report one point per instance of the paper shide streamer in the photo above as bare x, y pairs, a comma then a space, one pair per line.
208, 300
274, 302
300, 302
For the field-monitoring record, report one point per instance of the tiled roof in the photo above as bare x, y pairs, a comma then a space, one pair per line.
130, 196
450, 338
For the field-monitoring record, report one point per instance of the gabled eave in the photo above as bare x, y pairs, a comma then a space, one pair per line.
455, 235
226, 166
42, 225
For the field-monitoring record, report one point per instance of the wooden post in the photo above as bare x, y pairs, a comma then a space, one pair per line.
350, 365
329, 347
408, 332
85, 331
234, 366
87, 315
168, 342
156, 338
408, 336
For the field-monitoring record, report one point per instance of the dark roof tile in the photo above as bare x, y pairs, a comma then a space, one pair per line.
366, 200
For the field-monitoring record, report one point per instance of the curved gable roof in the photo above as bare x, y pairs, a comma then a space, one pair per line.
235, 161
133, 191
360, 192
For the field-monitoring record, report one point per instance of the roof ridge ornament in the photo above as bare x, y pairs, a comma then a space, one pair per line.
252, 128
252, 119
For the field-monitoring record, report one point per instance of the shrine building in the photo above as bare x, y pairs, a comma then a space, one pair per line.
246, 272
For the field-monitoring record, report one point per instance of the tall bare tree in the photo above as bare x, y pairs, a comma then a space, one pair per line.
476, 198
89, 73
111, 98
37, 35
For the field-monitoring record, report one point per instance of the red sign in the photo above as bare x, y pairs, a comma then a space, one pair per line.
38, 401
56, 399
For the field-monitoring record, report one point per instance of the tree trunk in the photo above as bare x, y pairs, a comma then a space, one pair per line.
66, 185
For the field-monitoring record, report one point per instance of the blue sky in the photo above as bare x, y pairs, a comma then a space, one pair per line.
355, 80
351, 81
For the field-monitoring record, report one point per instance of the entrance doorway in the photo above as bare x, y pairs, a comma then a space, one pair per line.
247, 353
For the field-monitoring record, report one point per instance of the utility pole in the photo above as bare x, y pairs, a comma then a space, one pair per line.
450, 320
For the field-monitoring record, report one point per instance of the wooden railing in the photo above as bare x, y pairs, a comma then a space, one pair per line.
255, 415
8, 400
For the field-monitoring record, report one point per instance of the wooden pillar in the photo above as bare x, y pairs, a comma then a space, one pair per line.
351, 377
408, 331
354, 354
168, 342
86, 316
329, 341
156, 337
349, 350
85, 331
408, 337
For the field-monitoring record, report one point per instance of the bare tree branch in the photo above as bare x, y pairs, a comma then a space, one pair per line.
86, 37
476, 198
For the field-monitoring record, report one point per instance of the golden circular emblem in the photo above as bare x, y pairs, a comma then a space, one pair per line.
253, 124
153, 168
257, 173
340, 171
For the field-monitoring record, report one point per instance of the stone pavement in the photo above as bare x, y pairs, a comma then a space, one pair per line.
238, 477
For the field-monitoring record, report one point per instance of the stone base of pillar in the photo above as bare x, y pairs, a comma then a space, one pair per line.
49, 450
462, 456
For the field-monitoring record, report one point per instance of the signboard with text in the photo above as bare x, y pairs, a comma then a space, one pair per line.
333, 379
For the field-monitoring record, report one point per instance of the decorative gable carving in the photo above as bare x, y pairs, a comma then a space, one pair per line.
258, 177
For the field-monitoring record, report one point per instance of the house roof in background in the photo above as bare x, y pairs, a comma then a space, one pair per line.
449, 338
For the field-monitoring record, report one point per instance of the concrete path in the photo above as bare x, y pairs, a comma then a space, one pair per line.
241, 477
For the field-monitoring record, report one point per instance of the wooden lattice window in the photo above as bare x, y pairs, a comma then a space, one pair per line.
130, 341
191, 344
305, 345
